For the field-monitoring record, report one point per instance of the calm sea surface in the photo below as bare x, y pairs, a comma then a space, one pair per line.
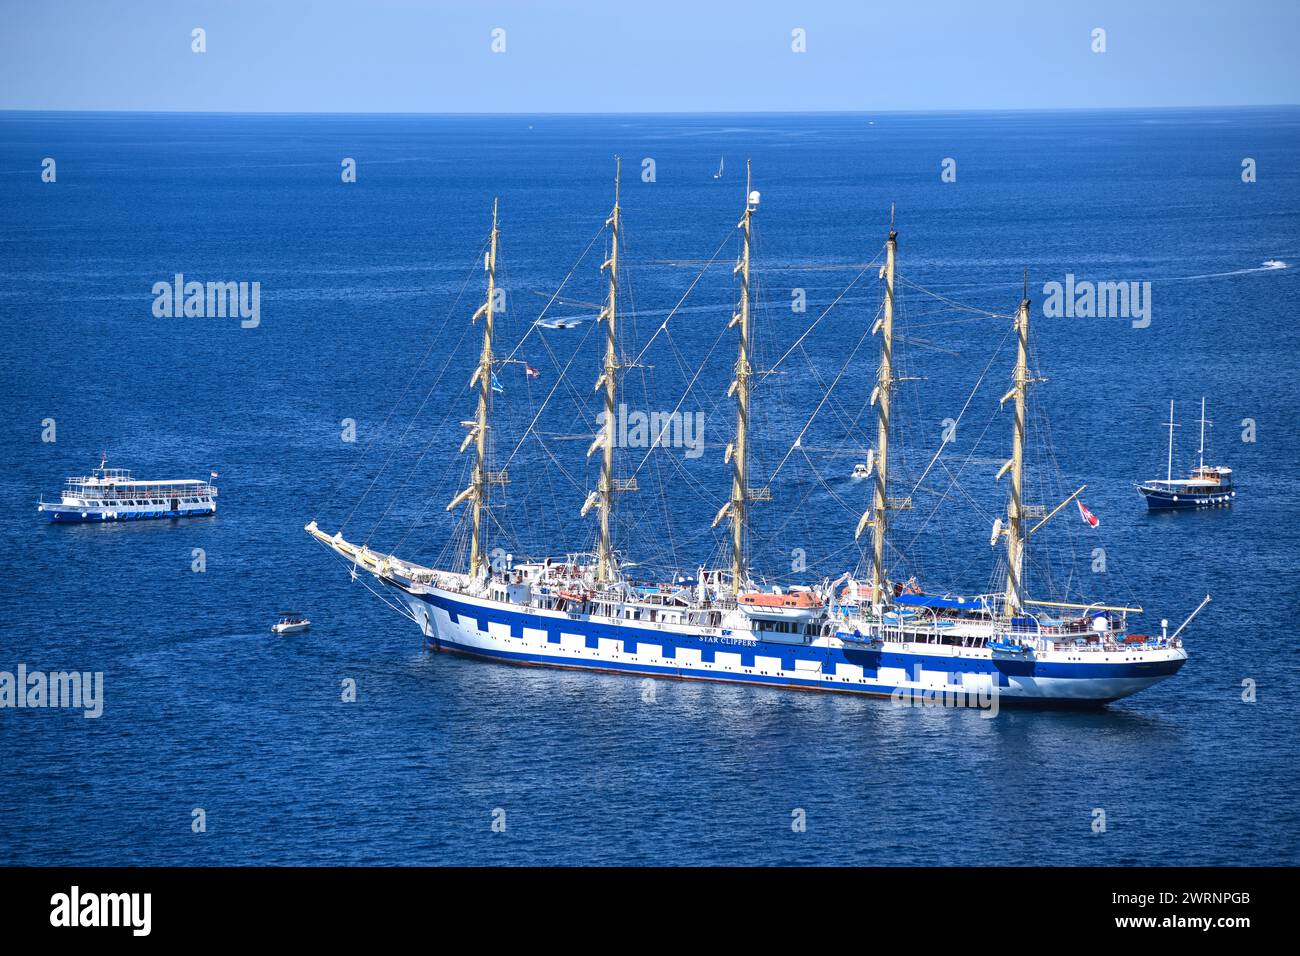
366, 290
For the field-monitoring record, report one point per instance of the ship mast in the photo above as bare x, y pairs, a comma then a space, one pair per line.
738, 451
476, 493
1015, 512
881, 396
604, 498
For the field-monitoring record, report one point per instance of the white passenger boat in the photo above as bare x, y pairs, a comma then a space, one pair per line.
111, 494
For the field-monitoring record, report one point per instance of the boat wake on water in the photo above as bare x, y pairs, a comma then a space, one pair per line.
1268, 265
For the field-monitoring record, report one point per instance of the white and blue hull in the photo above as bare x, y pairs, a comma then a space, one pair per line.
79, 513
111, 494
522, 635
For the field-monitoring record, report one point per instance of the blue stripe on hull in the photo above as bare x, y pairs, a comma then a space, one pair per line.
869, 660
789, 683
1163, 501
87, 517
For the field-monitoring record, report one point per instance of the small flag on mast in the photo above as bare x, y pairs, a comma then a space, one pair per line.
1089, 518
531, 372
496, 386
215, 474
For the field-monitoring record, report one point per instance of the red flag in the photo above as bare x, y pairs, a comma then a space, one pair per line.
1091, 519
531, 372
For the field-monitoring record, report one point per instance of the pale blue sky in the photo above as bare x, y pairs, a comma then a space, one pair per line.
654, 55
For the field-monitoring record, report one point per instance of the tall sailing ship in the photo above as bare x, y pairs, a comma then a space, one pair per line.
874, 635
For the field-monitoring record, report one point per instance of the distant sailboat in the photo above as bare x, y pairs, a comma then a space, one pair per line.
722, 160
1209, 487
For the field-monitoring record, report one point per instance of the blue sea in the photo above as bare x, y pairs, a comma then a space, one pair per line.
366, 293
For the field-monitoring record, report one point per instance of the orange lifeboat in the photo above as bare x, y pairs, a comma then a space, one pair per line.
797, 606
799, 600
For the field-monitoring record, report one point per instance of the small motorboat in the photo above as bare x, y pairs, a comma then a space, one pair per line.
1005, 645
291, 622
863, 468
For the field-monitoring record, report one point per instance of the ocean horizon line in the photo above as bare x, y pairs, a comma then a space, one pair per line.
26, 111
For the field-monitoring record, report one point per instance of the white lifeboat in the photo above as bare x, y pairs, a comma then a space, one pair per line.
798, 606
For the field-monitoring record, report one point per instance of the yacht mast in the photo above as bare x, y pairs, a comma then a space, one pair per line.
609, 379
476, 493
1169, 468
1201, 453
1015, 512
738, 451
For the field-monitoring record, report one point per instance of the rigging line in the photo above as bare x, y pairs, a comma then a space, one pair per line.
829, 490
813, 565
579, 402
564, 372
953, 484
797, 511
402, 438
689, 386
952, 302
550, 485
678, 356
825, 396
465, 468
907, 549
435, 433
563, 377
975, 505
826, 311
969, 398
699, 486
653, 556
935, 325
437, 381
555, 295
400, 609
434, 340
351, 565
852, 511
698, 276
852, 430
660, 500
550, 454
852, 425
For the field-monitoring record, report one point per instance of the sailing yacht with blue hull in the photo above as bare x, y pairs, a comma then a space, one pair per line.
875, 637
1209, 486
111, 494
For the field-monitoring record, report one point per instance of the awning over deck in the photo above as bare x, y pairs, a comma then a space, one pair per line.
929, 600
